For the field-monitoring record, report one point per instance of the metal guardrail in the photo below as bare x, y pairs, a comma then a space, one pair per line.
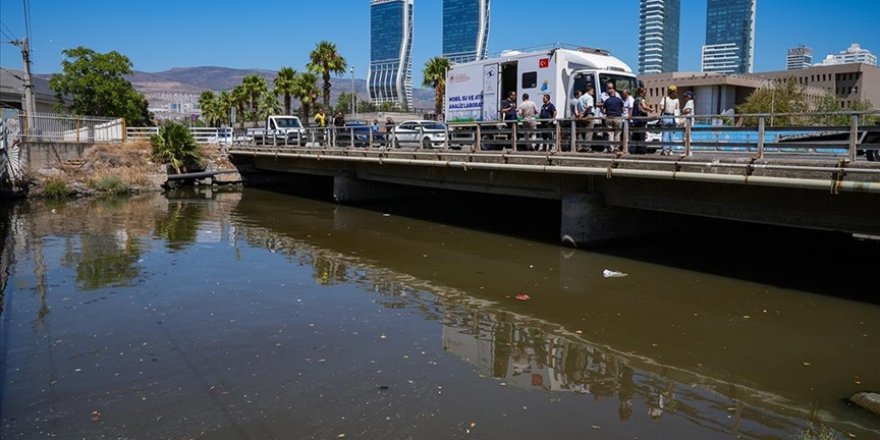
202, 135
686, 136
60, 128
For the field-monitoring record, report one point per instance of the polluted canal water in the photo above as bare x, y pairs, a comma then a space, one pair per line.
257, 315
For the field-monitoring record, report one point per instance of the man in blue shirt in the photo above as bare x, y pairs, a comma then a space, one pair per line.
613, 114
548, 112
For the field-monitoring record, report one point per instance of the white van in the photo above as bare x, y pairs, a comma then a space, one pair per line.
474, 90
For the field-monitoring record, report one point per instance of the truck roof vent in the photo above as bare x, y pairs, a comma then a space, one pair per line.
593, 50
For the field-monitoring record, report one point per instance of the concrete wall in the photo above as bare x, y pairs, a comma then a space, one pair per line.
36, 155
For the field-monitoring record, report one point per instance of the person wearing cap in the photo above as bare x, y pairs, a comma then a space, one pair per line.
669, 109
688, 109
687, 112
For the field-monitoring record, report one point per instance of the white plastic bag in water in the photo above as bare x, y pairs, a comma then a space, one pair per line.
612, 274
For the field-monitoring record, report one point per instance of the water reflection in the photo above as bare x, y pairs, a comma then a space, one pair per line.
179, 226
595, 348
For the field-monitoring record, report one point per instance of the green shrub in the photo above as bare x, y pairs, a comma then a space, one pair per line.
174, 145
113, 185
55, 188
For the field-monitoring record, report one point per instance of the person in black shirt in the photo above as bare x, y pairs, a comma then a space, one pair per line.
614, 113
548, 112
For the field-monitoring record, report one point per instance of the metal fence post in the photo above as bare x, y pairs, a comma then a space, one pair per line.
351, 136
446, 137
624, 139
478, 139
558, 142
573, 137
513, 134
853, 137
761, 120
687, 136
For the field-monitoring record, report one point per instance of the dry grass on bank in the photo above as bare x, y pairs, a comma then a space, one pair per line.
130, 162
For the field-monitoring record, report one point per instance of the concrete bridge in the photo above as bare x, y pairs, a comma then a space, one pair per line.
602, 196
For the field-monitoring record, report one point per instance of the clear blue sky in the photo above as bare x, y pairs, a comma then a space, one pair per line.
160, 34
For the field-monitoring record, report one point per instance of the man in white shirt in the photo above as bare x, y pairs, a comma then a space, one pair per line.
628, 102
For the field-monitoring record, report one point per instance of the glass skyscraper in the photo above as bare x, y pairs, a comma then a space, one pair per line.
391, 36
465, 29
658, 35
730, 36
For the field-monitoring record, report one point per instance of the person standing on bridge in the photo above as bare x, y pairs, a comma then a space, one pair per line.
548, 116
669, 109
321, 122
614, 107
528, 110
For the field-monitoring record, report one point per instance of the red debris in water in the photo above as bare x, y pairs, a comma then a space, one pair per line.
523, 297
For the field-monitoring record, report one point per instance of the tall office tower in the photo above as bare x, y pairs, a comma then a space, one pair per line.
853, 54
391, 38
799, 58
730, 36
658, 35
465, 29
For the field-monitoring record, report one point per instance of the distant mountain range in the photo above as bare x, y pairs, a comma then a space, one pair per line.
194, 80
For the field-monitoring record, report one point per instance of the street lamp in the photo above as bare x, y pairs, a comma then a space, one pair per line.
354, 96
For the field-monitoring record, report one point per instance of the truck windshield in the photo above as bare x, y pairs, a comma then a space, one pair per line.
621, 83
288, 122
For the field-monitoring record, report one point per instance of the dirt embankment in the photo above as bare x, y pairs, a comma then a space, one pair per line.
111, 169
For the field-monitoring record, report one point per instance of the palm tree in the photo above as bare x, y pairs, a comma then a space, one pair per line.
325, 59
256, 87
284, 85
269, 104
435, 77
305, 88
240, 97
225, 102
208, 104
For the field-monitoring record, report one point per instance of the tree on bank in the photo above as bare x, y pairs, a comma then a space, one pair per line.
326, 60
284, 85
435, 77
96, 83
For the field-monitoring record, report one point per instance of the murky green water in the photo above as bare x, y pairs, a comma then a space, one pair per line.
256, 315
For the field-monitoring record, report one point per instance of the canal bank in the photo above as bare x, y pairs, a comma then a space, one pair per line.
223, 315
84, 170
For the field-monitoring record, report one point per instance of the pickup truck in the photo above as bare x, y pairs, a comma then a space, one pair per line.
279, 129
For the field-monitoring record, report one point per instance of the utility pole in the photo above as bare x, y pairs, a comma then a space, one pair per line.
29, 105
354, 96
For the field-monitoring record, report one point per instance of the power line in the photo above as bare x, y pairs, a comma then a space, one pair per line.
27, 18
8, 32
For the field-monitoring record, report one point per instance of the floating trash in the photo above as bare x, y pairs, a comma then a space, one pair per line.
613, 274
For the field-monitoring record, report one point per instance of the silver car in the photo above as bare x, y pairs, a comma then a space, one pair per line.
426, 134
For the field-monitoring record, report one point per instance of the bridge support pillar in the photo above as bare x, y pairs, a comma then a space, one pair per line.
348, 189
587, 220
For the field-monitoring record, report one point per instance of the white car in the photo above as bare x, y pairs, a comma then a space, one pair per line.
426, 134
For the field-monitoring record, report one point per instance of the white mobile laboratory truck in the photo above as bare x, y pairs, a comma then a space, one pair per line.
474, 90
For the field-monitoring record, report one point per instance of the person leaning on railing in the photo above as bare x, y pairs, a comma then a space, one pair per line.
640, 111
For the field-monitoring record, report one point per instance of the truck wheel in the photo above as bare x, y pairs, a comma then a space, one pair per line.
873, 155
426, 143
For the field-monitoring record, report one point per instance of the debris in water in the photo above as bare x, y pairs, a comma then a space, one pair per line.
613, 274
96, 416
523, 297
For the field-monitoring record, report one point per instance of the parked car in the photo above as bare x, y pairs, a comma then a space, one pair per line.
426, 134
280, 129
360, 130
